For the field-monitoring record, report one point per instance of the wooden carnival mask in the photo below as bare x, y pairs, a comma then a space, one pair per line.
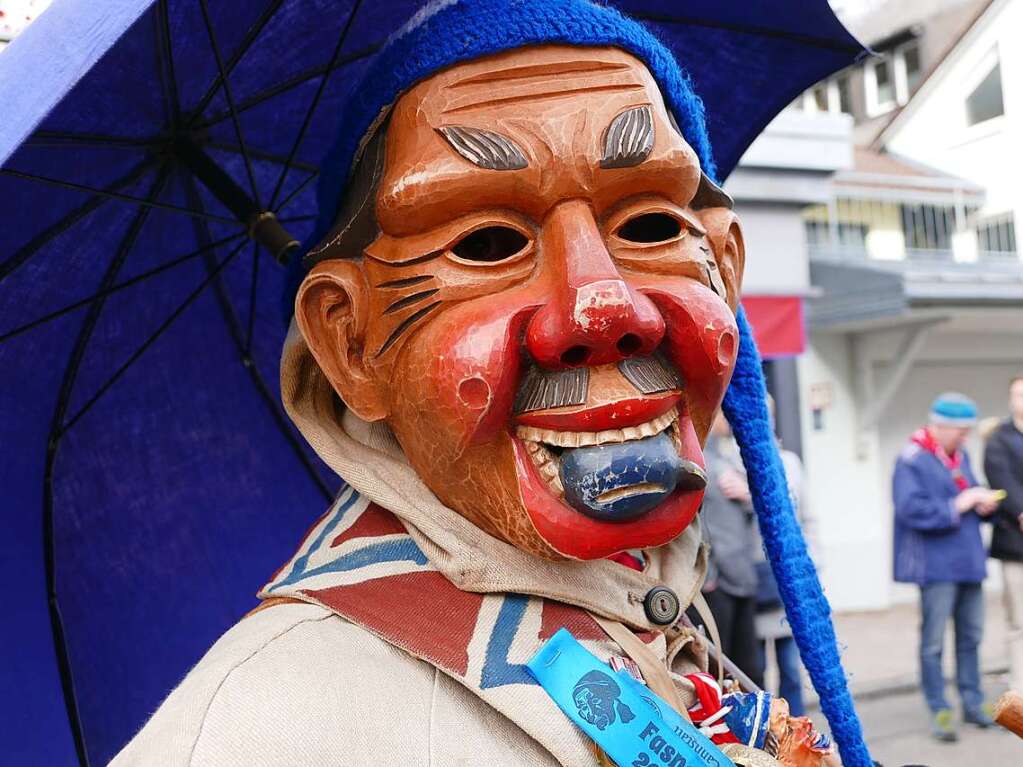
534, 285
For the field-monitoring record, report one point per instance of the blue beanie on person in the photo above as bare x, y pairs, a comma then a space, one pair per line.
953, 409
446, 32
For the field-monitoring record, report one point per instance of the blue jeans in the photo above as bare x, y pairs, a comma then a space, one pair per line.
964, 604
790, 682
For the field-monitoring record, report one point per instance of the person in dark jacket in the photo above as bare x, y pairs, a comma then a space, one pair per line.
729, 526
938, 509
1003, 465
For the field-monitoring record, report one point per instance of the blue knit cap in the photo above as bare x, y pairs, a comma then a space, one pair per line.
446, 32
953, 409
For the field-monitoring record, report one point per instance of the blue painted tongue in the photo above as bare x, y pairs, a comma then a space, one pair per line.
621, 481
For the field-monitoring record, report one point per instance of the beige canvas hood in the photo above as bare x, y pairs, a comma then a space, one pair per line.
369, 458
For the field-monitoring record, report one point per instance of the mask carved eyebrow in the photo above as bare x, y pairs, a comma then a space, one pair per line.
629, 138
484, 148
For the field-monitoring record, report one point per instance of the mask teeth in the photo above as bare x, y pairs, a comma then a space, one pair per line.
572, 439
548, 463
676, 436
549, 466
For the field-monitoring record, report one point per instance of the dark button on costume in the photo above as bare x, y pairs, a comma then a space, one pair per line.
661, 605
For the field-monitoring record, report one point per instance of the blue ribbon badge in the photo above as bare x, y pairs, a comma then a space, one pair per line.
633, 726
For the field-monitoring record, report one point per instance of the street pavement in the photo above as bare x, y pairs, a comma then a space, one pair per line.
897, 729
879, 648
879, 653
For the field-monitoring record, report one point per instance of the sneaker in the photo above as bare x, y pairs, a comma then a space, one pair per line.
980, 716
943, 727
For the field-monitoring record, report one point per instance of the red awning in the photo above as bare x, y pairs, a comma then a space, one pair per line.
777, 324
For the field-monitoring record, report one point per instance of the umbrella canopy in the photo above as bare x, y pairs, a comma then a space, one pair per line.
150, 479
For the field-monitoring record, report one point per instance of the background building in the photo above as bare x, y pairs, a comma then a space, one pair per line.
787, 169
916, 279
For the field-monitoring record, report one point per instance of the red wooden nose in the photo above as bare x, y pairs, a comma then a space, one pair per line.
593, 316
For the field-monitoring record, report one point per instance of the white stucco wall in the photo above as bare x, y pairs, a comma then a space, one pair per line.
934, 129
776, 255
843, 483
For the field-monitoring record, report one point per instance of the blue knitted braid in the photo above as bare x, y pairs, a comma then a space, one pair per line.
807, 608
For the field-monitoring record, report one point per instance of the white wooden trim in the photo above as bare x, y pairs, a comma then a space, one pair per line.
937, 77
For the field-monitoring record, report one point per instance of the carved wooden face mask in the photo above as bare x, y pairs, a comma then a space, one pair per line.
533, 283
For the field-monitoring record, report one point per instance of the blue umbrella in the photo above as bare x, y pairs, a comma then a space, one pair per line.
159, 158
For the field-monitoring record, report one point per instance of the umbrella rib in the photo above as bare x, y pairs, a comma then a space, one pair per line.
749, 29
297, 191
52, 444
50, 138
168, 76
269, 398
226, 84
315, 102
232, 62
253, 288
292, 82
160, 330
42, 239
116, 195
298, 219
259, 154
115, 288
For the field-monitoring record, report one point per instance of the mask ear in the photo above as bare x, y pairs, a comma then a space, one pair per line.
724, 233
726, 241
332, 311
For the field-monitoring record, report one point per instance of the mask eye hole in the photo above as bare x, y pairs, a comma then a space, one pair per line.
648, 228
490, 245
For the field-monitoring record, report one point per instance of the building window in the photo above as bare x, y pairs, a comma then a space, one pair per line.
831, 95
985, 100
890, 81
819, 94
911, 61
996, 236
841, 238
879, 84
843, 94
928, 229
884, 83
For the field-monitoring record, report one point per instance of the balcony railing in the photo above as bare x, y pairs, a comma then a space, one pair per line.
987, 265
897, 234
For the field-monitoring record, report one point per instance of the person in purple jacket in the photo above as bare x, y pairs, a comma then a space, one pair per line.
938, 510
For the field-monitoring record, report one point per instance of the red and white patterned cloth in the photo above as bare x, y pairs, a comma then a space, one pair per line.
708, 714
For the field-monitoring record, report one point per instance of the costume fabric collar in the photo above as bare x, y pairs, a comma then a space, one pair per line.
360, 562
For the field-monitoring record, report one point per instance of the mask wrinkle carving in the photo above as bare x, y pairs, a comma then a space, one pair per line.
508, 100
545, 71
406, 282
405, 325
415, 298
411, 261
